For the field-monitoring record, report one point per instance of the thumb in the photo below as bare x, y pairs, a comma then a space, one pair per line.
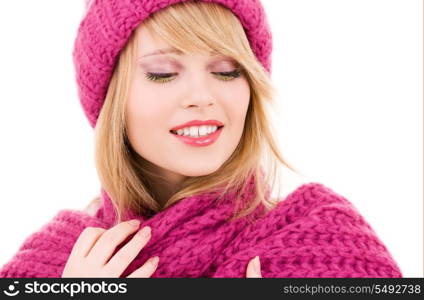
254, 268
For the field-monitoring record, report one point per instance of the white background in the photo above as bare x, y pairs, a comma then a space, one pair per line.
349, 76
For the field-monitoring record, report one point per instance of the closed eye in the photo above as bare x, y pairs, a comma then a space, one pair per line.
166, 77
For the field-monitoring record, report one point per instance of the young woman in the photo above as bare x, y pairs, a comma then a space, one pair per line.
180, 97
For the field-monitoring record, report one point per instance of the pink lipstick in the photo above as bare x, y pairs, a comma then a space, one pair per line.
200, 141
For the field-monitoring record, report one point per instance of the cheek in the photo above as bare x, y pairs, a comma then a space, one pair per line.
237, 104
145, 110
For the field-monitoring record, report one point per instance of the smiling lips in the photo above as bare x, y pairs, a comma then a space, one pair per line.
200, 141
204, 140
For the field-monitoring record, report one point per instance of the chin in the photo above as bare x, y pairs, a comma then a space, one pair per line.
198, 170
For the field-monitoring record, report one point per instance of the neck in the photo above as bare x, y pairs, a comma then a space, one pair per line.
163, 183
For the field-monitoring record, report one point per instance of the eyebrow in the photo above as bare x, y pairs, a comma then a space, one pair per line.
164, 51
171, 50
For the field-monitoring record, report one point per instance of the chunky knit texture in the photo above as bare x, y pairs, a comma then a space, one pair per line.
108, 24
313, 232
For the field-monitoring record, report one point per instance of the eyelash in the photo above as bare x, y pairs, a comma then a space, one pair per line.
165, 77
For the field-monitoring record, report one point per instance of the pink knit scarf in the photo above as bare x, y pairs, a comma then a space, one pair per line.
313, 232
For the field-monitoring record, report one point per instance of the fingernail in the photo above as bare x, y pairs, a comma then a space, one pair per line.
155, 260
134, 222
145, 232
257, 264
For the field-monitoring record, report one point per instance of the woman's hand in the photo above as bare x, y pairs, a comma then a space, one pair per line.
91, 254
253, 270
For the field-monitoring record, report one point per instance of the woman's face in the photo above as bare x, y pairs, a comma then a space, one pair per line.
193, 89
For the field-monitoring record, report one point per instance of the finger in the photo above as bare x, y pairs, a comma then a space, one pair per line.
147, 269
86, 240
120, 261
109, 240
253, 271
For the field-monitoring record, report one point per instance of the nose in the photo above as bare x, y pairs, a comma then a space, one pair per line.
198, 93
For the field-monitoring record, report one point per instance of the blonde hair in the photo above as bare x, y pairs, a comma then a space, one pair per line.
124, 175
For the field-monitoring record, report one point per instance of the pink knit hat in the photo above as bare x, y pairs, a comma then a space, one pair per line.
108, 24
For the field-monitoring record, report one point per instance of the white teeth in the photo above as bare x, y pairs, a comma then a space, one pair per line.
196, 131
203, 130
